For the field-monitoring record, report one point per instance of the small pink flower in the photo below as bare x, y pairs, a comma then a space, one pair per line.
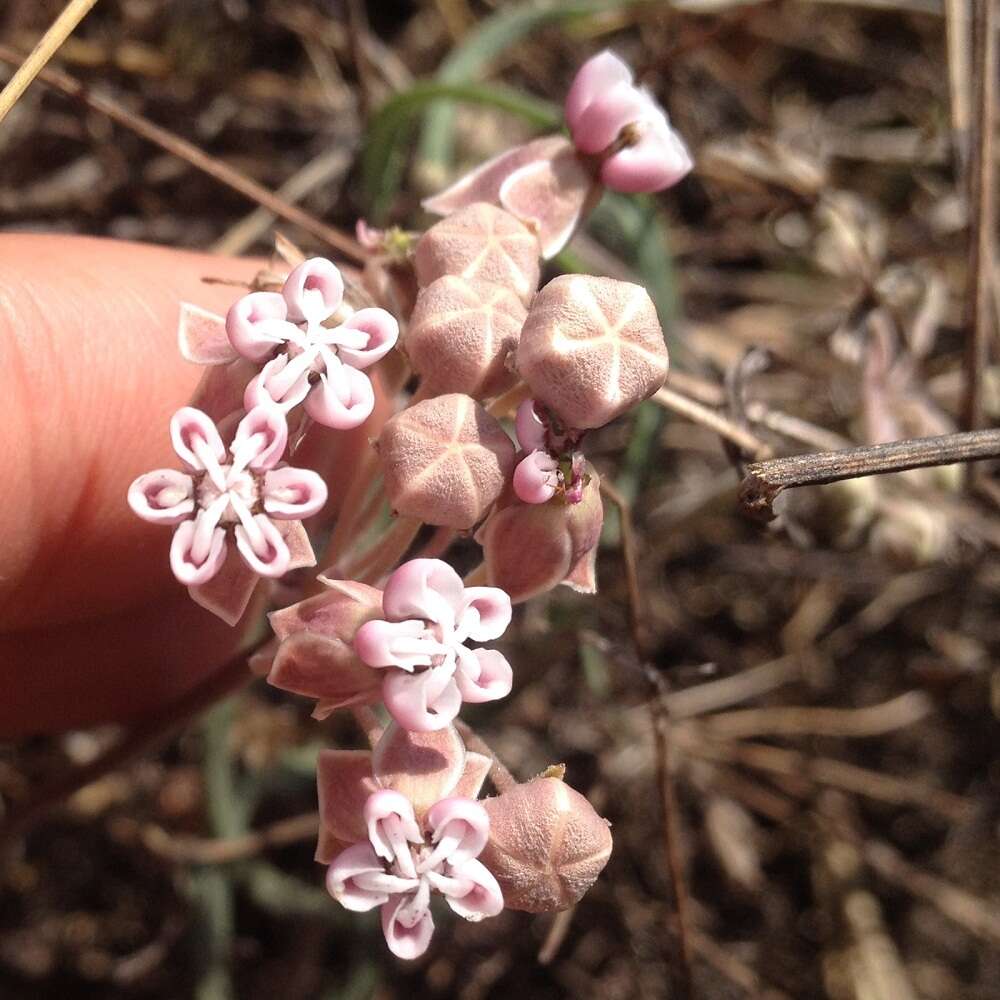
305, 360
239, 491
410, 809
610, 117
551, 462
429, 617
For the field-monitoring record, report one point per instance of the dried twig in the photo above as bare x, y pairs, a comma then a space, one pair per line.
979, 304
61, 28
725, 428
765, 480
191, 154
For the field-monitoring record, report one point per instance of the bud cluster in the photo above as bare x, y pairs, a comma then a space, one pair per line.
402, 822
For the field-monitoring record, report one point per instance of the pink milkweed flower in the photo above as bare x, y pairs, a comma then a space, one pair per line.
304, 360
610, 117
223, 493
540, 474
429, 617
402, 823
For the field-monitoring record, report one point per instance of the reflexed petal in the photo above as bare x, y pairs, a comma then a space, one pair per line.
477, 769
359, 859
260, 438
266, 553
424, 588
659, 160
202, 338
192, 431
293, 493
392, 826
484, 897
257, 325
423, 702
342, 399
481, 184
529, 427
395, 644
323, 668
425, 767
313, 291
164, 496
334, 614
405, 942
382, 330
486, 613
228, 593
462, 825
596, 76
535, 478
603, 119
182, 559
300, 551
344, 782
483, 675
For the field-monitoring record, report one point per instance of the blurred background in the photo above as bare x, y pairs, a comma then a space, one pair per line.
826, 687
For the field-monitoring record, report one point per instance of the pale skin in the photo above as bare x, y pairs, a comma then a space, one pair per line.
93, 626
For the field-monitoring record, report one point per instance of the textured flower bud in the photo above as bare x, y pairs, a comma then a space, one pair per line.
445, 461
591, 348
460, 335
547, 845
481, 241
530, 548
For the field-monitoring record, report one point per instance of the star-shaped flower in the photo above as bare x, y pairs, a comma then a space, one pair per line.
236, 493
429, 617
304, 359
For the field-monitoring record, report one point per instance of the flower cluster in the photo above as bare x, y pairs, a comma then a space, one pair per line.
403, 822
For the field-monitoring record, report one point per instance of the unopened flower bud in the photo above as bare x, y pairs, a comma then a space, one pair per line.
481, 241
445, 461
592, 348
530, 548
546, 847
460, 335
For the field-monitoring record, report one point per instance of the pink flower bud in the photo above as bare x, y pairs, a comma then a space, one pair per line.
481, 241
530, 548
546, 845
460, 335
445, 461
592, 348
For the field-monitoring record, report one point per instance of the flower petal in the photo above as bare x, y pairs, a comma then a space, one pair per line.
315, 666
596, 76
486, 613
291, 493
195, 437
260, 438
228, 593
163, 496
425, 767
483, 675
257, 325
659, 160
529, 427
483, 897
342, 399
334, 614
406, 942
344, 782
535, 478
263, 547
424, 588
300, 551
423, 702
359, 859
313, 291
382, 330
461, 824
599, 124
183, 553
477, 769
202, 338
269, 387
